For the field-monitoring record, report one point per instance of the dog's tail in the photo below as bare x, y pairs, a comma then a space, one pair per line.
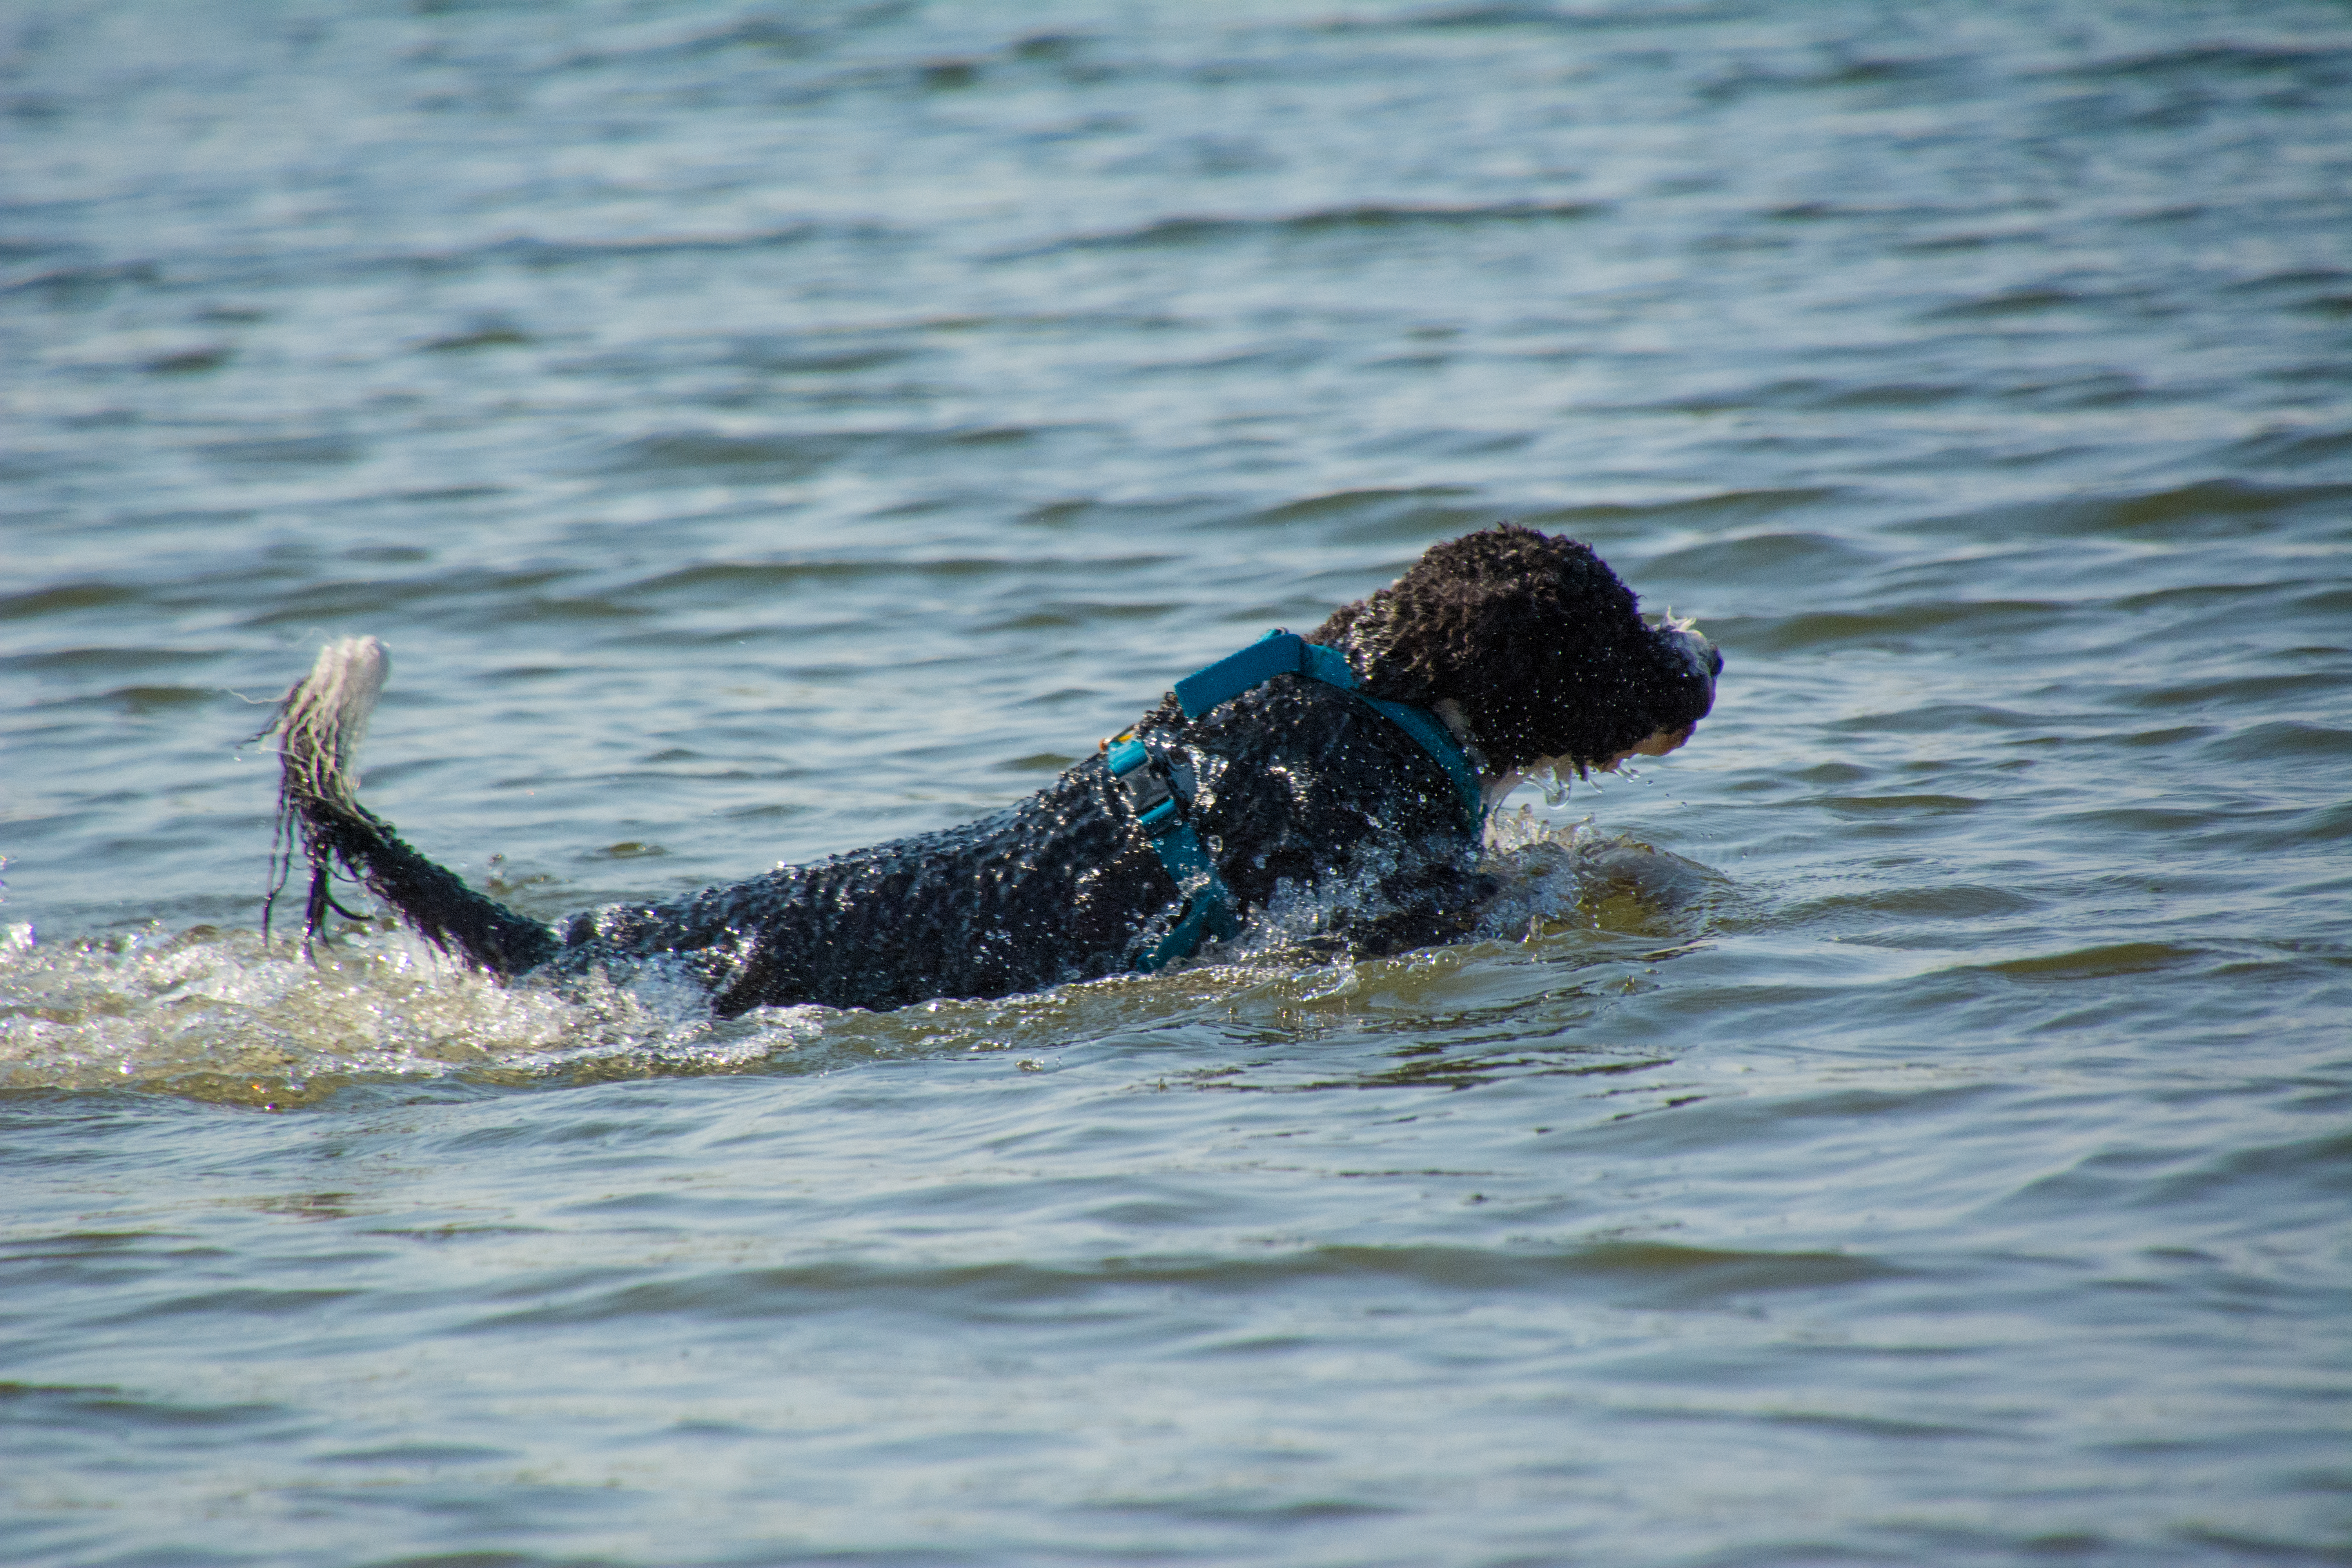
319, 726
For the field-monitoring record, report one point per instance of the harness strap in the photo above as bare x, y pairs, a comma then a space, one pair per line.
1208, 902
1161, 813
1286, 653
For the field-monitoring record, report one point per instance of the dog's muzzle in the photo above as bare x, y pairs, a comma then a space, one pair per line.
1705, 659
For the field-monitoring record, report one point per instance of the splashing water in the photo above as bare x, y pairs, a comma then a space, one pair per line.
221, 1016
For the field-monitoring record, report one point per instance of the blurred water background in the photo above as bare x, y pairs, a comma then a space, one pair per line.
1912, 1126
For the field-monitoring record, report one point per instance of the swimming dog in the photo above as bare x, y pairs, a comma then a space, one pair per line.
1364, 753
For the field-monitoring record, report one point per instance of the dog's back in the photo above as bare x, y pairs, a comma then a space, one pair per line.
1288, 782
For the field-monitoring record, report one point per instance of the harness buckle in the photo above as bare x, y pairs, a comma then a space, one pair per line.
1144, 777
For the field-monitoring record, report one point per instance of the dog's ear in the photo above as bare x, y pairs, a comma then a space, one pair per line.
1533, 636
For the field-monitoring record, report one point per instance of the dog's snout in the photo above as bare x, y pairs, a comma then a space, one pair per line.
1698, 650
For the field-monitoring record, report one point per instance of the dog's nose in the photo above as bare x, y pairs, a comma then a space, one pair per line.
1698, 649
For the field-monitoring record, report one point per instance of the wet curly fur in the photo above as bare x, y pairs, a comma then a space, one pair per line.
1533, 636
1528, 644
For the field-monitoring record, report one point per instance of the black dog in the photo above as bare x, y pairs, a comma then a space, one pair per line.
1361, 756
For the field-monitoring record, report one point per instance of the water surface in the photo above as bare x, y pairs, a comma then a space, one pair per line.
1908, 1125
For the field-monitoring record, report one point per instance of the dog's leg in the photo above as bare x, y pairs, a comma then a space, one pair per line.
319, 726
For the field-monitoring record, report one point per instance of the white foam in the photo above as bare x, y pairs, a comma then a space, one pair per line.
212, 1014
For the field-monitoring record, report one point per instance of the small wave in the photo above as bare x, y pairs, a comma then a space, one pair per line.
85, 285
1873, 908
2216, 60
484, 337
1813, 393
1175, 232
791, 455
1828, 211
760, 34
783, 455
1557, 877
724, 578
542, 255
97, 663
2239, 694
1761, 558
1941, 719
456, 594
2279, 743
1452, 17
811, 355
2010, 302
1478, 17
2093, 389
1909, 627
1055, 614
2096, 963
2291, 448
2222, 508
1908, 75
113, 1411
1968, 239
191, 361
2320, 824
293, 450
1647, 1272
415, 1454
68, 598
1714, 509
94, 284
1410, 514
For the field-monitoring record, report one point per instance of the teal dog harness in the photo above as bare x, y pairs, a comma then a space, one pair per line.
1163, 814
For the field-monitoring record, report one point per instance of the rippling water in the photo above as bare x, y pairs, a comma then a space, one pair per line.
1911, 1125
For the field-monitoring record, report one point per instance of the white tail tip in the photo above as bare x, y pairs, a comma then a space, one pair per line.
325, 717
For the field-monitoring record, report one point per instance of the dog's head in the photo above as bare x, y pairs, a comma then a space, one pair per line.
1537, 645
